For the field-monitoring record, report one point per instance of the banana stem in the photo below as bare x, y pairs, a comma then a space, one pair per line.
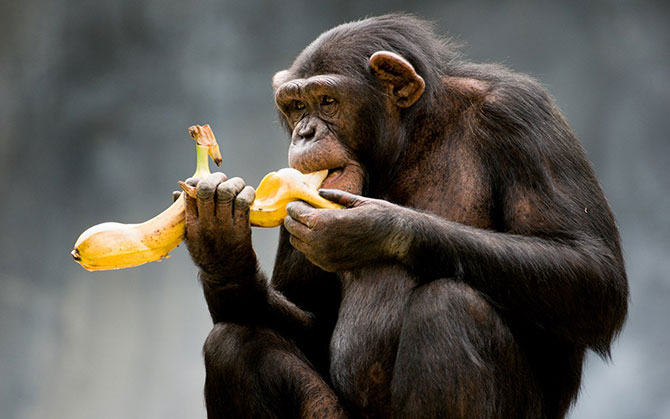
201, 169
201, 161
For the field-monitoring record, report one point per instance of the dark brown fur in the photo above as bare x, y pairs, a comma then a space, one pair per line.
503, 280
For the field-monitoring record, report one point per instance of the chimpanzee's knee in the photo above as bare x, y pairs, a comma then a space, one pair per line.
255, 372
228, 370
457, 358
221, 347
248, 372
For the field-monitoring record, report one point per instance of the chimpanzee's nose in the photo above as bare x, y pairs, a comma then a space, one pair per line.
306, 130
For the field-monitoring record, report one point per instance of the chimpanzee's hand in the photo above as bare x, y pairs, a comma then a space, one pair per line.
218, 234
367, 230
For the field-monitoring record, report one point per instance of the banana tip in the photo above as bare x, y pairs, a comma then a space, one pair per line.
75, 255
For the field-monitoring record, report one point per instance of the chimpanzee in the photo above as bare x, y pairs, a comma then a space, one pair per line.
474, 264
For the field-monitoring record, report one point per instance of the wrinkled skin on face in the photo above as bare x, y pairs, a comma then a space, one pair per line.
348, 125
322, 118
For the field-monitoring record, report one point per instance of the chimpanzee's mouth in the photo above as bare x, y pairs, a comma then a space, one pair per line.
333, 175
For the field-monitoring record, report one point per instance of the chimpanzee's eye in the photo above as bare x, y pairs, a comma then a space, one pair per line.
327, 100
298, 105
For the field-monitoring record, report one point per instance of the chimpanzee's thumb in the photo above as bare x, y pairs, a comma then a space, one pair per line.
347, 199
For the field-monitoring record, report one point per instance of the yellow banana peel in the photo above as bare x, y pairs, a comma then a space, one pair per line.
279, 188
116, 246
113, 245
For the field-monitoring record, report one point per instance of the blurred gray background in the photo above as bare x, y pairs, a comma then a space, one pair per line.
95, 98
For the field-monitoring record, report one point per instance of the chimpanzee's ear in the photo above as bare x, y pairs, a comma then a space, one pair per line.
405, 85
280, 78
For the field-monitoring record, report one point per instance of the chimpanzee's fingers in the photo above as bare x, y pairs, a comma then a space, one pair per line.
296, 228
176, 195
301, 211
341, 197
242, 203
205, 196
225, 196
296, 242
191, 206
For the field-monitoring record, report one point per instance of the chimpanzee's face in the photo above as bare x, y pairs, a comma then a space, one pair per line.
322, 113
349, 124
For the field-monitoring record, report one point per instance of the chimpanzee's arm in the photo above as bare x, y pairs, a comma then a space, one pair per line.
575, 287
218, 237
246, 297
555, 256
300, 303
552, 262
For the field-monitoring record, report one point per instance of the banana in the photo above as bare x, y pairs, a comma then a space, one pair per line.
116, 246
112, 245
279, 188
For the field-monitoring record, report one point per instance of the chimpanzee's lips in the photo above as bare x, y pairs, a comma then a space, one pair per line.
330, 181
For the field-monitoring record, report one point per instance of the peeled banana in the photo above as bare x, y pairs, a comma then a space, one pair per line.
116, 246
279, 188
111, 245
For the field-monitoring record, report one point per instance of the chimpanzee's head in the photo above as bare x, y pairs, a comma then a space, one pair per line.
351, 97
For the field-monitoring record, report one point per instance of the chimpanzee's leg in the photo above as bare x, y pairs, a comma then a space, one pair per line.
457, 359
254, 372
